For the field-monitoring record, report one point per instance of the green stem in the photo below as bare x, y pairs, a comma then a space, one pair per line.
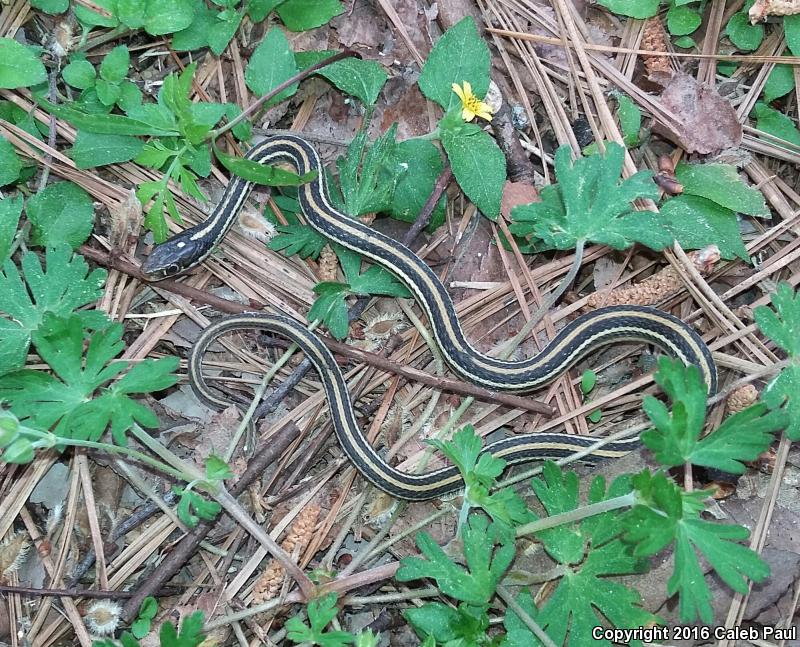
52, 440
188, 472
624, 501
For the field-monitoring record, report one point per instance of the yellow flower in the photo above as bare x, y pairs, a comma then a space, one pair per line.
472, 106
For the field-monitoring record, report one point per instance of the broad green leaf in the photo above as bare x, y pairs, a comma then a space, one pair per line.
368, 174
61, 287
301, 15
302, 240
776, 124
459, 55
780, 82
109, 124
227, 22
721, 183
79, 74
375, 280
103, 17
486, 562
19, 66
107, 92
261, 173
81, 398
634, 8
320, 613
168, 16
685, 42
682, 20
421, 163
198, 33
271, 64
588, 381
696, 222
61, 213
131, 12
743, 35
592, 203
478, 166
10, 163
630, 119
781, 324
115, 64
259, 9
51, 6
91, 149
359, 78
330, 307
791, 31
10, 211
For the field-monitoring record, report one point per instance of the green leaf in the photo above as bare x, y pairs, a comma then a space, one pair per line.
109, 124
320, 613
91, 18
721, 184
168, 16
261, 173
697, 222
634, 8
302, 240
486, 563
227, 22
776, 124
131, 13
191, 634
591, 203
10, 163
107, 92
459, 55
114, 67
780, 82
259, 9
676, 438
466, 625
52, 7
368, 175
781, 324
271, 64
19, 66
420, 164
685, 42
91, 149
588, 381
217, 469
79, 74
356, 77
64, 286
81, 399
630, 119
198, 33
595, 416
743, 35
791, 31
664, 513
330, 307
376, 280
19, 452
61, 213
682, 20
300, 15
479, 166
10, 211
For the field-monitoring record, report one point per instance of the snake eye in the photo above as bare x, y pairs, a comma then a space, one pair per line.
173, 269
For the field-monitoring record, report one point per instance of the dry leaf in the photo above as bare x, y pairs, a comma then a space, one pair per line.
515, 194
708, 123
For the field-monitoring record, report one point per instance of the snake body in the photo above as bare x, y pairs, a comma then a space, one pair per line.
584, 334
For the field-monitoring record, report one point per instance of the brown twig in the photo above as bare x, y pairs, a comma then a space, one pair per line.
302, 74
188, 546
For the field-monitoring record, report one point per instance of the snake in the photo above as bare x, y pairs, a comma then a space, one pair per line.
585, 334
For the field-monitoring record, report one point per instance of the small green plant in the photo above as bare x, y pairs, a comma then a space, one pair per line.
320, 614
190, 633
147, 611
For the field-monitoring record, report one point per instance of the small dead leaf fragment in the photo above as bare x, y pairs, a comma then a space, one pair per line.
707, 123
516, 193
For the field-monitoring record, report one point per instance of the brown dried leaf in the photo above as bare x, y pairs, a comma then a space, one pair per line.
708, 123
515, 194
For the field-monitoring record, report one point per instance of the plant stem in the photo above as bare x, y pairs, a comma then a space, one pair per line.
624, 501
523, 615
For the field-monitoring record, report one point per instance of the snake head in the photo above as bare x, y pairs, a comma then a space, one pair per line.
173, 257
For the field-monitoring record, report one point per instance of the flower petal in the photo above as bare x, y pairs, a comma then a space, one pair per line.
457, 89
